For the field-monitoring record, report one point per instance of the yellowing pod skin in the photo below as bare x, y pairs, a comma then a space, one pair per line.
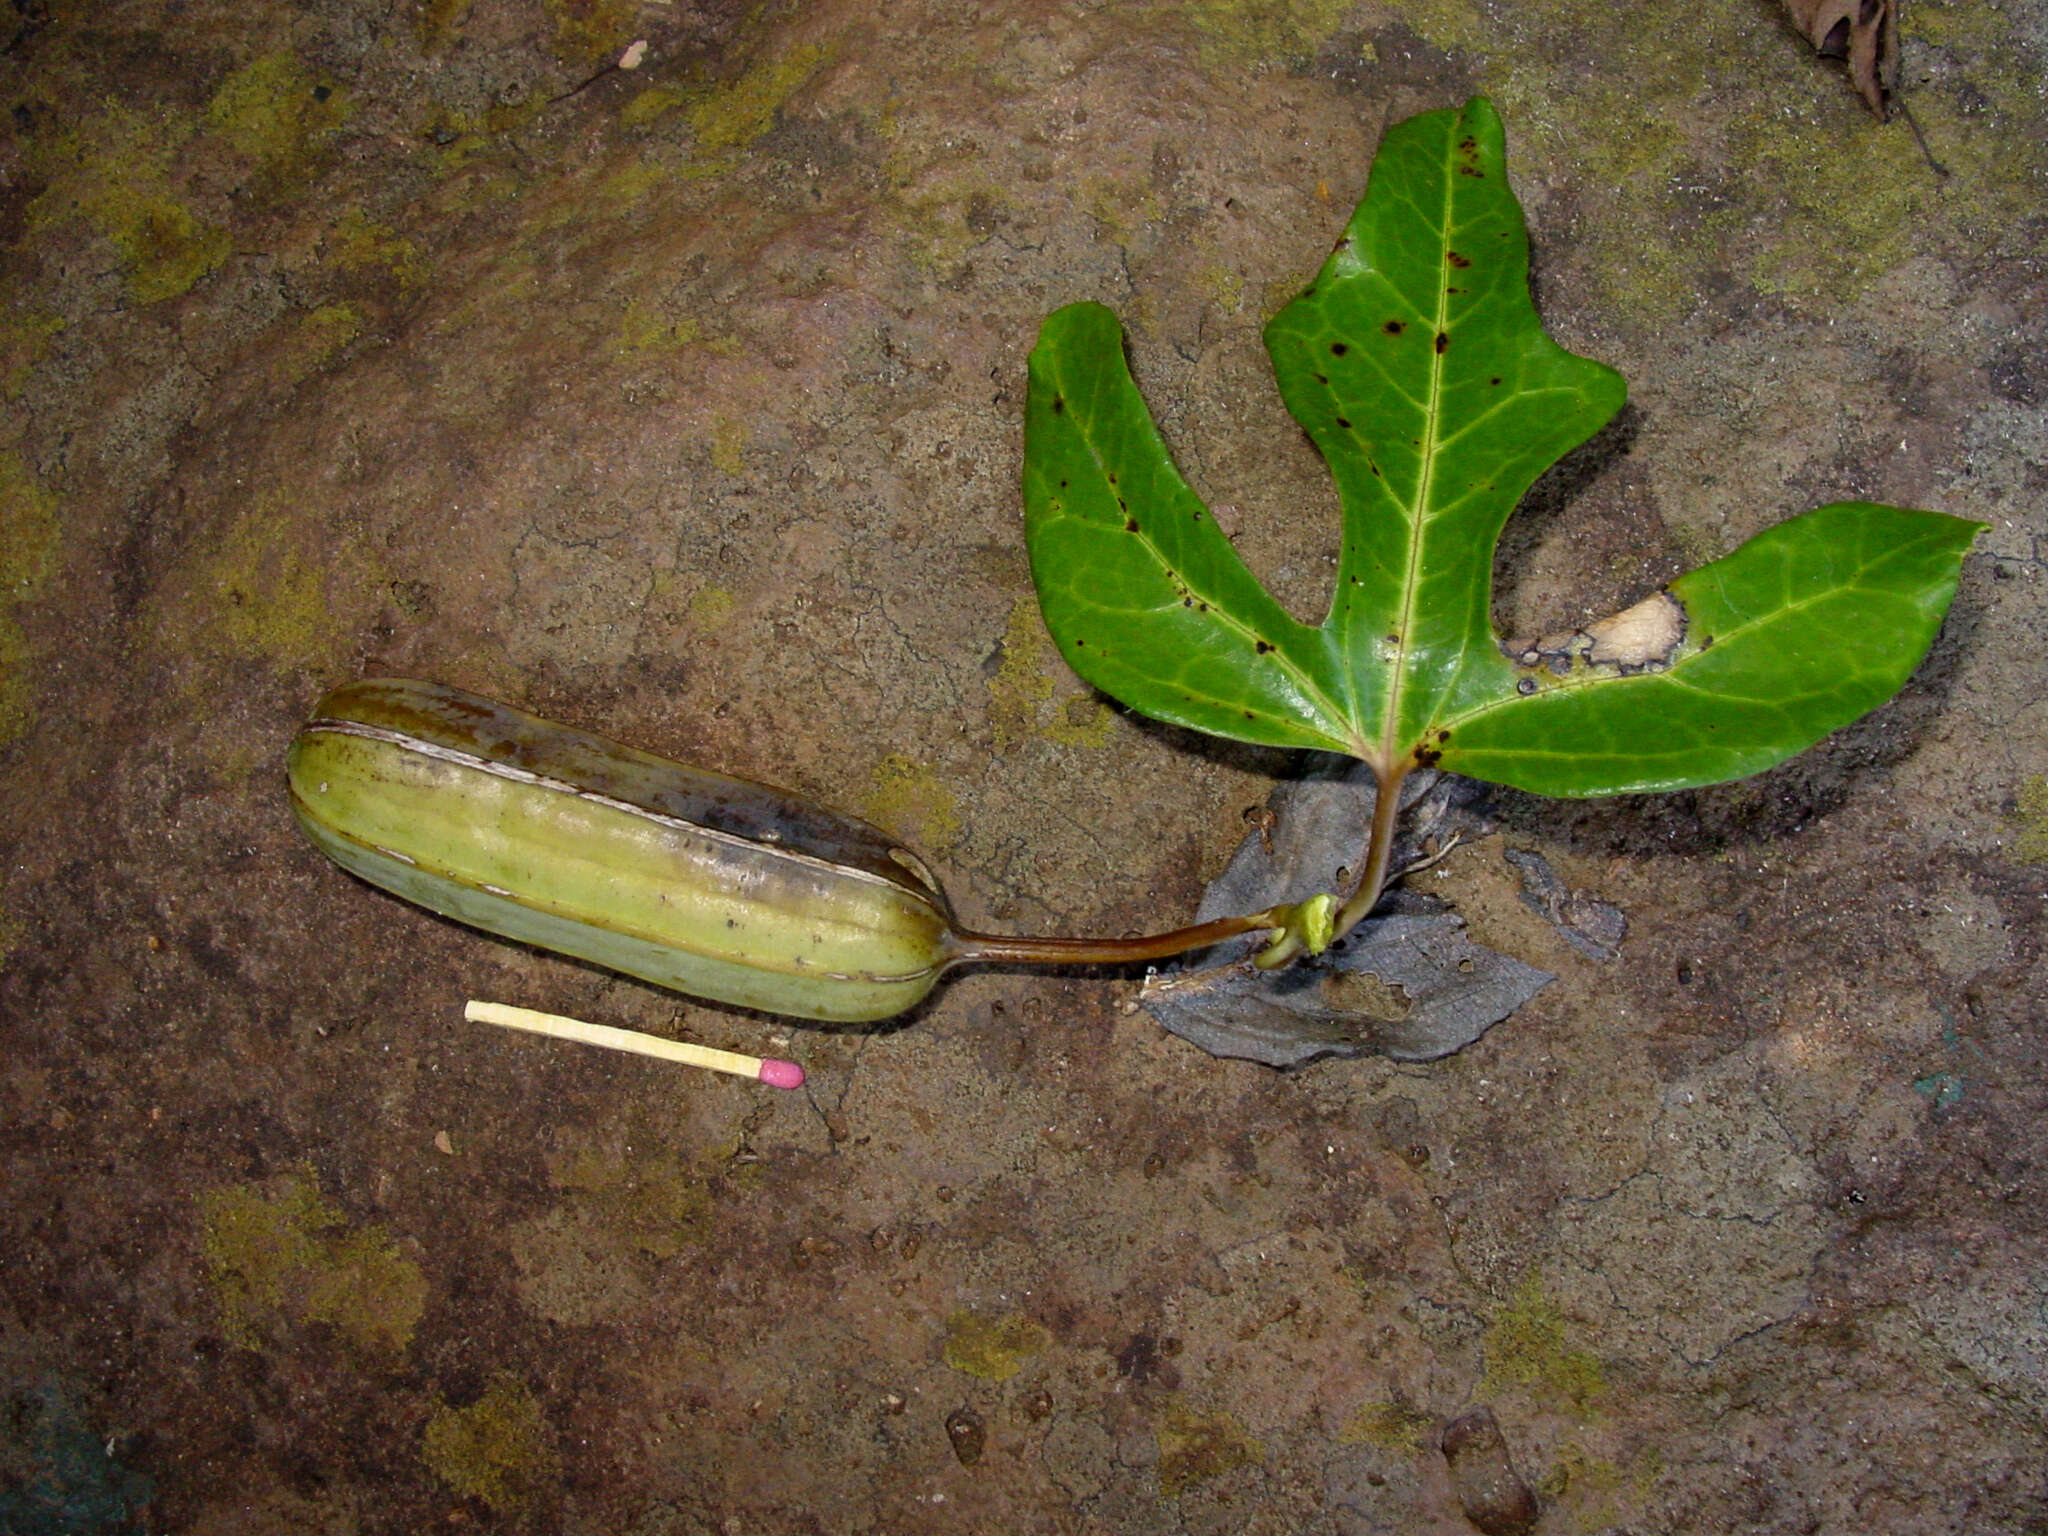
697, 882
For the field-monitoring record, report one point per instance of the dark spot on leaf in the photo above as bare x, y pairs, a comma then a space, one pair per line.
1249, 715
1345, 424
1495, 381
1202, 607
1393, 639
1442, 736
1059, 404
1468, 145
1375, 470
1393, 327
1323, 379
1187, 602
1706, 642
1458, 261
1063, 484
1427, 757
1309, 292
1443, 342
1526, 686
1112, 477
1338, 349
1263, 646
1473, 171
1130, 525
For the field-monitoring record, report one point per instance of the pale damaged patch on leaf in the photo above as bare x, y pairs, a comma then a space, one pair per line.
1643, 638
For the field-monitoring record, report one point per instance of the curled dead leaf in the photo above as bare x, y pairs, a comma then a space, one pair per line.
1865, 32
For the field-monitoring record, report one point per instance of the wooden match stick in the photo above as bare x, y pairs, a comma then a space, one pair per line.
776, 1074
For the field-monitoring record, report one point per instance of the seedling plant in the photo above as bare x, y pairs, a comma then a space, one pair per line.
1417, 365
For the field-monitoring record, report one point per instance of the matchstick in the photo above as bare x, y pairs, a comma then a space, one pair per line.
776, 1074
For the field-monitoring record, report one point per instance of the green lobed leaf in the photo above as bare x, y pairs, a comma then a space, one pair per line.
1417, 364
1800, 631
1145, 595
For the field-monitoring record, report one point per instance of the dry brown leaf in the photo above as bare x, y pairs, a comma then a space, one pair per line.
1865, 32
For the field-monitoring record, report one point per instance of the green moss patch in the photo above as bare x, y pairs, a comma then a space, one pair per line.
112, 174
1528, 1348
2030, 812
280, 1259
1021, 694
276, 113
28, 553
732, 116
992, 1349
358, 242
1391, 1426
911, 801
1249, 32
268, 584
497, 1449
24, 339
657, 1206
1193, 1448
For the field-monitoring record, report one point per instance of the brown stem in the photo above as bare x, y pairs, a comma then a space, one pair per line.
973, 947
1379, 850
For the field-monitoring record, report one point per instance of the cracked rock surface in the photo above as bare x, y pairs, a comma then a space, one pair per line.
683, 403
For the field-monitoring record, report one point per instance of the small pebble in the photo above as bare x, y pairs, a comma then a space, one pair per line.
968, 1434
1491, 1491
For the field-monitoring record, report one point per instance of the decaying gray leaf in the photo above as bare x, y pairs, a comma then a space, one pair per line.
1408, 983
1865, 32
1316, 823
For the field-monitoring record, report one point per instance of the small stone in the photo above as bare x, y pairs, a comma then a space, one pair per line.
1489, 1489
968, 1435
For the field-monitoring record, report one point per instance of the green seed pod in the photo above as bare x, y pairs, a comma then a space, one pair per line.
691, 880
698, 882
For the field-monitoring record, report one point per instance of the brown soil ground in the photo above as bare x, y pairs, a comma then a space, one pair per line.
683, 403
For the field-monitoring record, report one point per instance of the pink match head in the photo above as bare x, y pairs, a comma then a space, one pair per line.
782, 1074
